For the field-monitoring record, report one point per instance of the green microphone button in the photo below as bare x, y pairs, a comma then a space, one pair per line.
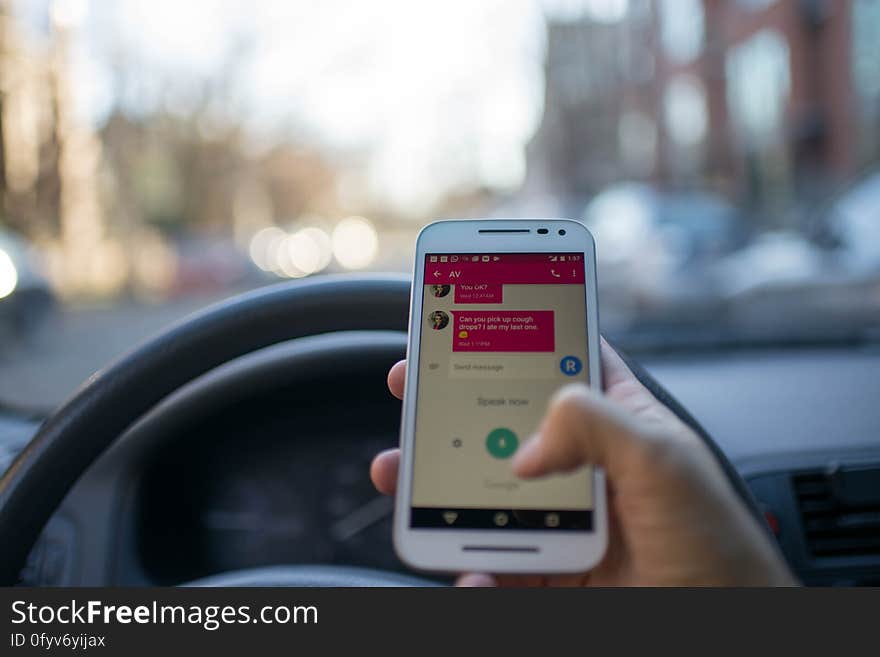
501, 443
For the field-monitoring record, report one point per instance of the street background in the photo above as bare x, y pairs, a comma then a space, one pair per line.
156, 156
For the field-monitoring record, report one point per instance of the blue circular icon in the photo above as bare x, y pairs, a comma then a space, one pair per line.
570, 365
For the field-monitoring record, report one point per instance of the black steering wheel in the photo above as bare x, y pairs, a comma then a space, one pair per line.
115, 398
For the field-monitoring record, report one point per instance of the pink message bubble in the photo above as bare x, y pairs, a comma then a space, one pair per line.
496, 330
478, 292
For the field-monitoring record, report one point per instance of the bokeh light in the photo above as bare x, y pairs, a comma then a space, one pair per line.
8, 275
263, 246
355, 243
309, 250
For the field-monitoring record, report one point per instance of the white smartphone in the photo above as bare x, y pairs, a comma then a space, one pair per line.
503, 314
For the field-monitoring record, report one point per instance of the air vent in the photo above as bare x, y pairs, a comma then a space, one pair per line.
840, 511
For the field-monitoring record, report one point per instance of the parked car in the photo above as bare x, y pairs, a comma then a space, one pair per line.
851, 223
25, 295
655, 248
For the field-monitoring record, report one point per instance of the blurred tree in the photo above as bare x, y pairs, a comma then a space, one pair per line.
183, 174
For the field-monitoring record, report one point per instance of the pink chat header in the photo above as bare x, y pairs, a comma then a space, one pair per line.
505, 268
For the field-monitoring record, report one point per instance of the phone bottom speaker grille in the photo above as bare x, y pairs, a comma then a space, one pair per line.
500, 548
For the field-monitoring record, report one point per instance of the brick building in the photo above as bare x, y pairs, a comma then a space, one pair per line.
771, 102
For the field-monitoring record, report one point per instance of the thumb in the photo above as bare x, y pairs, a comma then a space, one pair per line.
581, 428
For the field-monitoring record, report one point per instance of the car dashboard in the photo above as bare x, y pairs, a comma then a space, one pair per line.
277, 473
260, 485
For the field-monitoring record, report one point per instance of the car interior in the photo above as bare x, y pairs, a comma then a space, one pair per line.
238, 443
208, 213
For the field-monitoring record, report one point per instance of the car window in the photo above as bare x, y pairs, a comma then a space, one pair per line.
157, 156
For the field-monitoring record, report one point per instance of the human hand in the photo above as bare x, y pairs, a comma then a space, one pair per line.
674, 517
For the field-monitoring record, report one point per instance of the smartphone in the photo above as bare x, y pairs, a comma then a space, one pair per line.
503, 313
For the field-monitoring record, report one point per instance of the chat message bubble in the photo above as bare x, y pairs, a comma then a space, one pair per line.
478, 292
497, 330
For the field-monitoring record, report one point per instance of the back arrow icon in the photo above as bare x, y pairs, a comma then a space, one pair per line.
437, 274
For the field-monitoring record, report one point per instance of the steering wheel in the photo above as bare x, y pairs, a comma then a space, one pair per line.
115, 398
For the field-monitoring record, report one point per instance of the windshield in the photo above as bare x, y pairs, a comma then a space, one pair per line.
159, 155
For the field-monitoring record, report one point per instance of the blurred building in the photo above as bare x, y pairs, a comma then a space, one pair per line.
772, 102
593, 71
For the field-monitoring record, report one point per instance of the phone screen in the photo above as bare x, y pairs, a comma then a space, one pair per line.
500, 333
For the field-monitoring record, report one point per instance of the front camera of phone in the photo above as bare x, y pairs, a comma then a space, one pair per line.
562, 231
543, 231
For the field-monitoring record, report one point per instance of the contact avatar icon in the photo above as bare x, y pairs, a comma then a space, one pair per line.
570, 365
